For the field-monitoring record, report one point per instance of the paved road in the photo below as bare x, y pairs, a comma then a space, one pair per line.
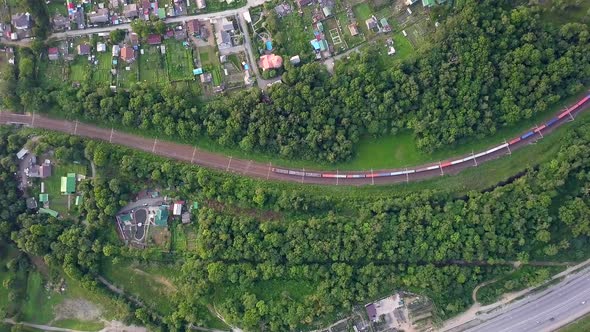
245, 167
127, 26
545, 311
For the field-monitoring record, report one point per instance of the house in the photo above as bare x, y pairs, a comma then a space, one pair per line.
100, 16
180, 34
303, 3
68, 184
53, 53
162, 13
193, 27
177, 208
270, 61
22, 21
83, 49
227, 25
295, 60
154, 39
224, 40
45, 170
116, 51
353, 28
201, 4
127, 54
146, 6
50, 212
130, 11
372, 312
283, 9
206, 78
22, 153
60, 22
43, 198
161, 218
114, 4
186, 218
372, 23
134, 39
327, 11
385, 25
427, 3
101, 47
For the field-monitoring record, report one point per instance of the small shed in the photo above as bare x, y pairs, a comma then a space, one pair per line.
197, 71
101, 47
43, 198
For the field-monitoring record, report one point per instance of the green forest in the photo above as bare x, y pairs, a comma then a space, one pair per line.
326, 251
490, 65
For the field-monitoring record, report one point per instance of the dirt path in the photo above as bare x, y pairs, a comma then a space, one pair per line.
38, 326
260, 170
160, 279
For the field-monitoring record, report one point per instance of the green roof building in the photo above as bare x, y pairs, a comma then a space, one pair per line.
43, 198
427, 3
50, 212
161, 218
78, 200
161, 13
195, 205
68, 184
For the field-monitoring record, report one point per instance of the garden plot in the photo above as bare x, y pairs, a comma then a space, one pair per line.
127, 74
53, 73
102, 71
179, 61
80, 69
152, 66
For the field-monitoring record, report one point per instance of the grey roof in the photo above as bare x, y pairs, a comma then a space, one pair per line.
21, 21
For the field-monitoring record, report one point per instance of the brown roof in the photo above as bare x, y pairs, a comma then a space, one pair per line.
193, 26
83, 49
127, 53
45, 170
154, 39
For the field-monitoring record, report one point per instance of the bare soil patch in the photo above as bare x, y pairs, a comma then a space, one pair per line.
77, 309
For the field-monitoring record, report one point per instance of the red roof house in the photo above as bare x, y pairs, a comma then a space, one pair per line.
127, 54
154, 39
270, 61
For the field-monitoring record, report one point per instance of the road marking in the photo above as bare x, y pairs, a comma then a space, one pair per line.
372, 177
111, 137
474, 159
441, 170
193, 157
303, 176
537, 127
508, 147
76, 127
268, 173
228, 163
154, 147
336, 177
571, 116
407, 176
33, 121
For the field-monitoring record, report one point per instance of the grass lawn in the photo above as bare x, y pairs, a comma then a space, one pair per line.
151, 284
179, 237
40, 304
204, 54
580, 325
57, 201
351, 40
296, 37
102, 73
362, 12
152, 66
179, 61
6, 254
57, 6
80, 69
125, 77
75, 324
233, 58
53, 73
